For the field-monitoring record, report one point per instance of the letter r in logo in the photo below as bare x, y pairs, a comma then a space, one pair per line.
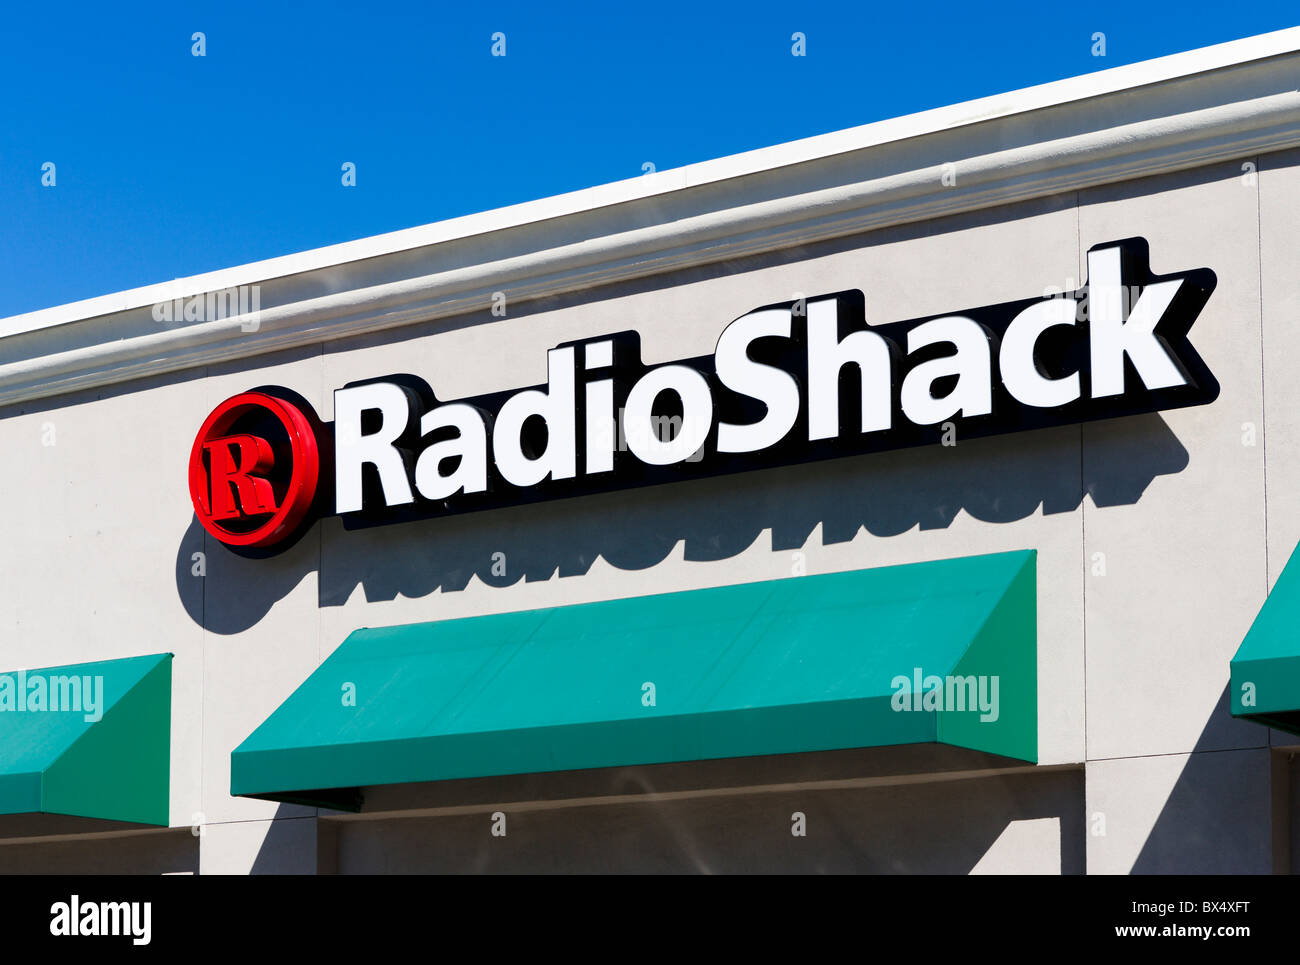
254, 468
232, 462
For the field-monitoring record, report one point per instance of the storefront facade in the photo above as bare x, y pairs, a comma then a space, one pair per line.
1146, 505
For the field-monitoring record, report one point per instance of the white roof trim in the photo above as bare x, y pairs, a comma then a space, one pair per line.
1244, 101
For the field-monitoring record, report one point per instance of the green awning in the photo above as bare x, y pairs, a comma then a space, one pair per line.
90, 740
810, 663
1265, 673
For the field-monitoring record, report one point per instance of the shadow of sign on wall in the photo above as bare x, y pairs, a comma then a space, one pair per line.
996, 480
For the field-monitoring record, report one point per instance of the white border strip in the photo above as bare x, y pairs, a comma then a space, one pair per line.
738, 165
1236, 126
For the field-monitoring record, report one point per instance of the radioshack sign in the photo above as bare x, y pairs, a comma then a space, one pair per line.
787, 383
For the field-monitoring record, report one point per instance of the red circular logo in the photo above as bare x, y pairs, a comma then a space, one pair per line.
254, 469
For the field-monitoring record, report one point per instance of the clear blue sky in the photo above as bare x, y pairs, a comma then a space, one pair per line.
169, 164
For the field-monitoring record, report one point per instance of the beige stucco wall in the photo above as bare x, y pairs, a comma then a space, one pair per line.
1158, 537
